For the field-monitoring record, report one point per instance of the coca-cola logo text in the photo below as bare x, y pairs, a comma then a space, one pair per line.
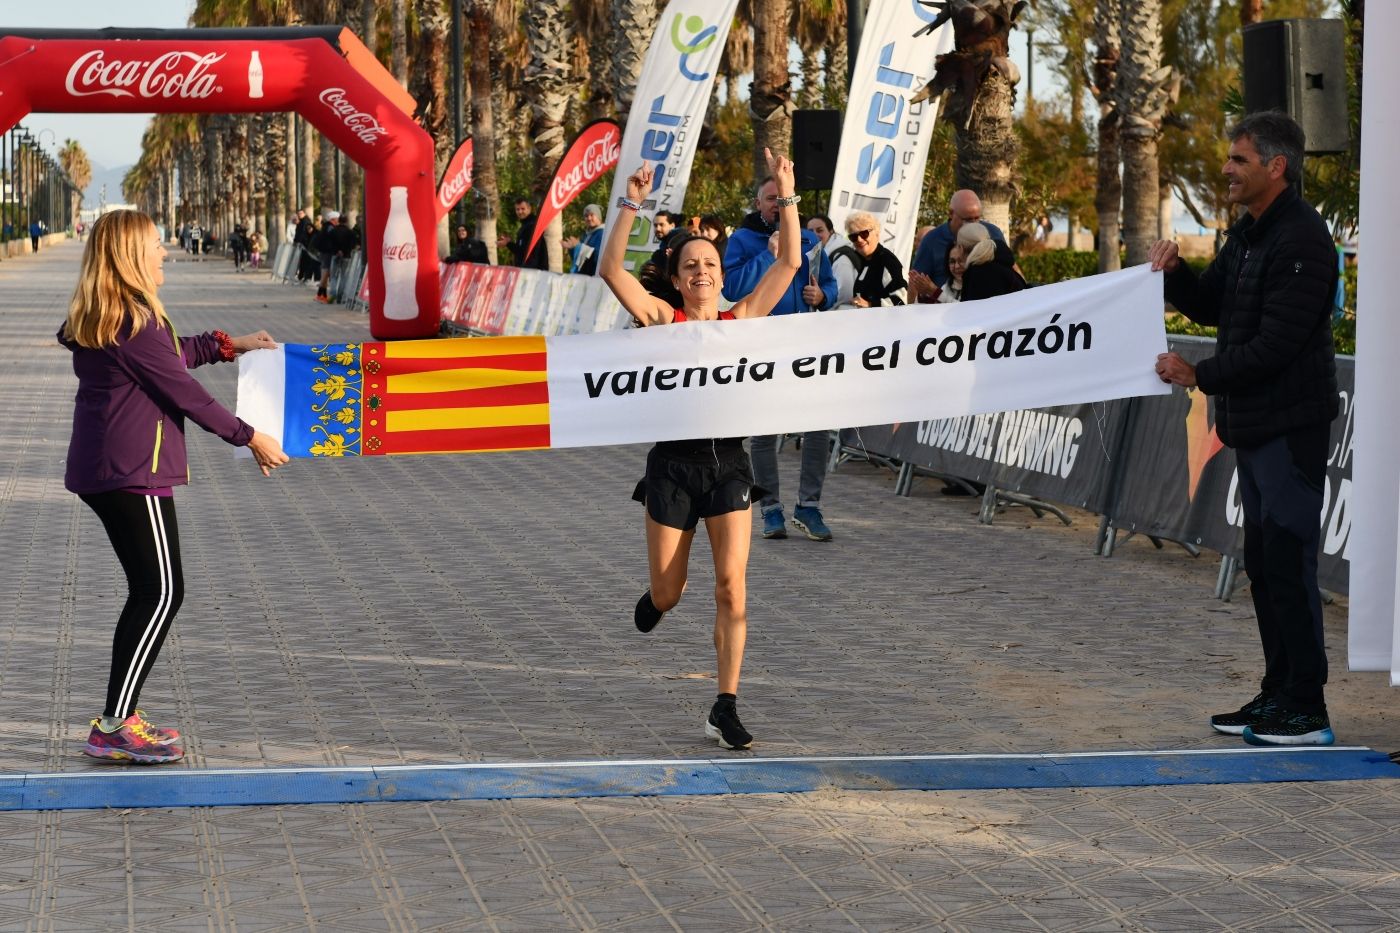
601, 155
404, 251
174, 74
453, 188
363, 125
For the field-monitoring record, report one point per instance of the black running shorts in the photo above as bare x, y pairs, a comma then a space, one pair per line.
682, 487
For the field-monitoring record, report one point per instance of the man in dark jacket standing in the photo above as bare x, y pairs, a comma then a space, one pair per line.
538, 257
1274, 379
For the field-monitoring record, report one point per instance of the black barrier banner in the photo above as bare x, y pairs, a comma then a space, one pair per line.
1180, 482
1061, 454
1154, 465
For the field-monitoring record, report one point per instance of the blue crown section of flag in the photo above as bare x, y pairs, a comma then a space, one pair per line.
323, 400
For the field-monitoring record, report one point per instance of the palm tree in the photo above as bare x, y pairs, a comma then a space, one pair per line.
817, 24
399, 41
428, 84
737, 59
1144, 93
1109, 190
634, 22
594, 38
770, 96
76, 165
484, 187
547, 85
982, 79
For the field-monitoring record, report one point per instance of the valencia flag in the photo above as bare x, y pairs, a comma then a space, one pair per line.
417, 397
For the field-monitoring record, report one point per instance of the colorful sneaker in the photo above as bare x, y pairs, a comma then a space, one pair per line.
809, 519
163, 736
133, 741
1252, 713
1285, 728
774, 525
724, 727
646, 615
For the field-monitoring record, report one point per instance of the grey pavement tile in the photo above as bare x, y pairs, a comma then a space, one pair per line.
439, 609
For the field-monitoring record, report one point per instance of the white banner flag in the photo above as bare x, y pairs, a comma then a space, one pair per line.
663, 126
1086, 340
885, 139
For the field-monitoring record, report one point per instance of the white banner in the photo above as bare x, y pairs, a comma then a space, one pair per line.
885, 139
663, 127
1373, 638
1085, 340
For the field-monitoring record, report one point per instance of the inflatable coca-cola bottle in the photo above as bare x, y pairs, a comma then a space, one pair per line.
400, 260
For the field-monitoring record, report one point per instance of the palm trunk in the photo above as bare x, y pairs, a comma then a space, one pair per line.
484, 186
987, 149
837, 65
308, 165
1142, 103
634, 24
770, 98
1108, 195
399, 41
551, 37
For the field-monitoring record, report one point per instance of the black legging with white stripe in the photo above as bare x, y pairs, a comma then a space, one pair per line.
143, 532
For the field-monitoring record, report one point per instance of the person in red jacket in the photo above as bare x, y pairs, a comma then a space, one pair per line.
128, 452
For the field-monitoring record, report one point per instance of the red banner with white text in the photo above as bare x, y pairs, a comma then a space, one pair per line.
595, 151
456, 179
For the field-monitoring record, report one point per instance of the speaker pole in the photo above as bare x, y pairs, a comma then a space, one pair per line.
855, 25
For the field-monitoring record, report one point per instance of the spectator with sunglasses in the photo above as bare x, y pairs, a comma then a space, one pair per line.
881, 278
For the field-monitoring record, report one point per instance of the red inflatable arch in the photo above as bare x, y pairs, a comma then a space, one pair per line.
323, 73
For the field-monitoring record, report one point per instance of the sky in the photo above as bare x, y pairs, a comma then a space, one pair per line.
110, 140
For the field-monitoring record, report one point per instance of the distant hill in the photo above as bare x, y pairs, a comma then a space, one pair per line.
112, 178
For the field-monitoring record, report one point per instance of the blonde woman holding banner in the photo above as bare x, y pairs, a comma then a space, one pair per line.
709, 478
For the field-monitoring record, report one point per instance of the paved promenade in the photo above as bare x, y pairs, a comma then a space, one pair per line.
442, 610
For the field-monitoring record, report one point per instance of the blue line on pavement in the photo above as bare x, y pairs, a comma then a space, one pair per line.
118, 787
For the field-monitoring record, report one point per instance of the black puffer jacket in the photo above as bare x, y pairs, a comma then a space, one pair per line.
1269, 292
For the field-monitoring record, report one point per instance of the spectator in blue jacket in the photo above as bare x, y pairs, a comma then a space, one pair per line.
751, 252
127, 452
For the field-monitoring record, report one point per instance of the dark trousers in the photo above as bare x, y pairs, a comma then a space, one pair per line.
1281, 486
143, 532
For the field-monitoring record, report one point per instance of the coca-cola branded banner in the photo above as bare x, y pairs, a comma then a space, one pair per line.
594, 152
663, 126
323, 73
456, 179
885, 138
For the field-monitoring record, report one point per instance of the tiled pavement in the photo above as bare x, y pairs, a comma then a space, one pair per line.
477, 608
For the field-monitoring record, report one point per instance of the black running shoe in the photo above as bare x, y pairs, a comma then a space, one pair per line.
1252, 713
646, 614
724, 727
1285, 728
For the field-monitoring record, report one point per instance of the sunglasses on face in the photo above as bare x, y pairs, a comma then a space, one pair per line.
860, 235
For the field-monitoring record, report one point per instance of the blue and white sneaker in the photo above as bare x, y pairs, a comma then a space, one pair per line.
809, 519
1291, 729
774, 525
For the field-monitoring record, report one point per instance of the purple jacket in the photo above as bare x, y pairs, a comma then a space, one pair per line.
129, 413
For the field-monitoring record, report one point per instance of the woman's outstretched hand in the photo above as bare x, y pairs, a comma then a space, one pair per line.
639, 183
262, 340
780, 167
267, 452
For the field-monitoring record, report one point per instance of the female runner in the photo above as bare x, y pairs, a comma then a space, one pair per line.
708, 478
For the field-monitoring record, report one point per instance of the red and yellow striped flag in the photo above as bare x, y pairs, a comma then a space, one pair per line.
453, 396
